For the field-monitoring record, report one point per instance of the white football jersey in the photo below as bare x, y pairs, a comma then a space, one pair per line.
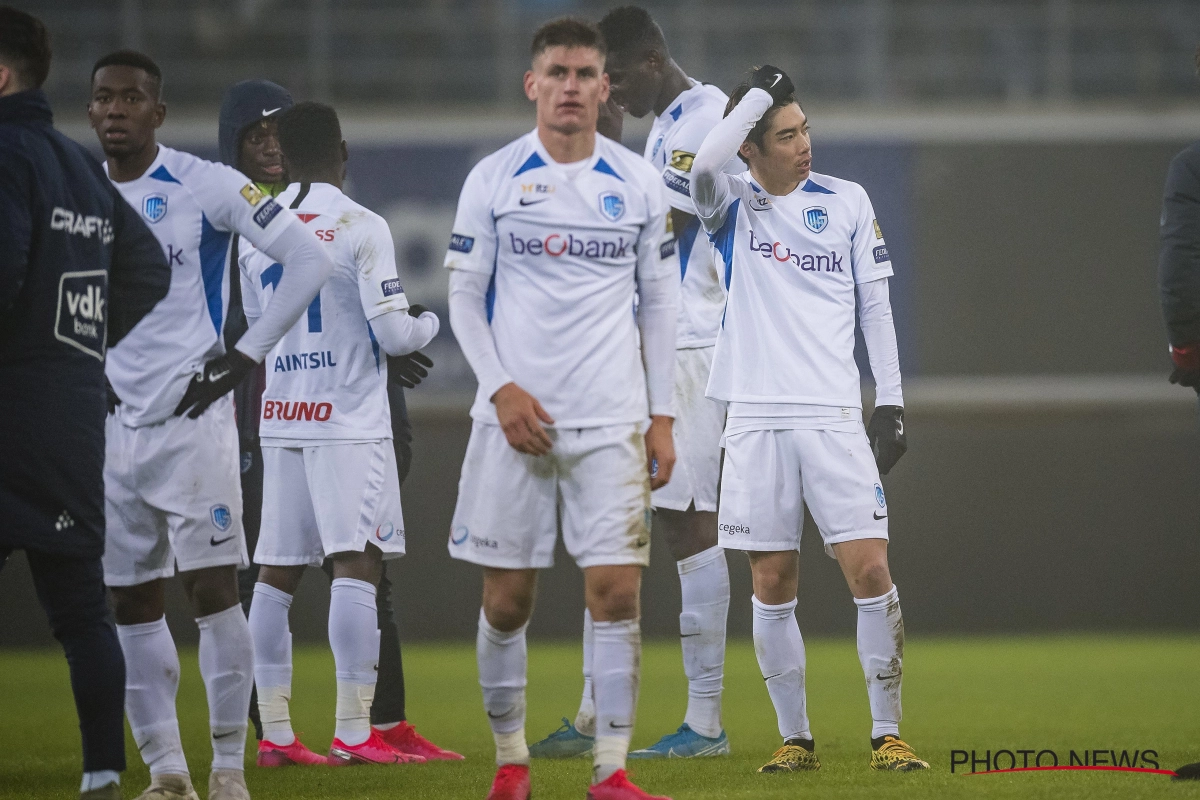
565, 246
327, 376
790, 265
193, 207
676, 136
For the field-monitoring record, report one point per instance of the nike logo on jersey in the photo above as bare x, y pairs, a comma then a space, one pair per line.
269, 113
877, 515
525, 201
214, 541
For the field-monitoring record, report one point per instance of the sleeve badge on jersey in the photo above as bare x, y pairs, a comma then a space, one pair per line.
253, 194
682, 160
268, 212
392, 286
878, 231
460, 243
681, 185
881, 254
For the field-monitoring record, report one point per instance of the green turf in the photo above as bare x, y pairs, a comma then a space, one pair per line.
1060, 693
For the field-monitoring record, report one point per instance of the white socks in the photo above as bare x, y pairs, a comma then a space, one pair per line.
151, 682
99, 779
881, 651
585, 720
502, 661
780, 652
354, 639
227, 668
616, 657
272, 661
704, 581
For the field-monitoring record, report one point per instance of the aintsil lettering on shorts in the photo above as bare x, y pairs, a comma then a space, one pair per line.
809, 263
556, 244
297, 410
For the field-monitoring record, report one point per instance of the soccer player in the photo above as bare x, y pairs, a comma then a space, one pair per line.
171, 467
645, 79
797, 250
78, 270
330, 486
554, 236
249, 142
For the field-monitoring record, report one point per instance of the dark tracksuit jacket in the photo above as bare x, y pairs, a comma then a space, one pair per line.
78, 270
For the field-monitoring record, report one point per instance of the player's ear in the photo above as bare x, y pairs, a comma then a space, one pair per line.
530, 85
605, 88
748, 150
345, 152
160, 114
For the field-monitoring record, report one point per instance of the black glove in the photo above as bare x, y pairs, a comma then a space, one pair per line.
218, 378
886, 434
1186, 377
410, 369
416, 310
774, 81
111, 396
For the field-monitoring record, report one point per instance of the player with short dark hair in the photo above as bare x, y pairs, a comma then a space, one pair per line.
646, 80
172, 465
331, 489
554, 236
78, 270
801, 254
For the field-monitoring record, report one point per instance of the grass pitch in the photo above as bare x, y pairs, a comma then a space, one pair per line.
1056, 693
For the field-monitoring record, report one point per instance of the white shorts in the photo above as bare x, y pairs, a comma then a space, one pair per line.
770, 475
509, 503
172, 495
699, 423
326, 499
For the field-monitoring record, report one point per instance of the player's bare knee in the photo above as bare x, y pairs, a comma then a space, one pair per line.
775, 576
871, 579
507, 612
366, 566
211, 590
285, 579
135, 605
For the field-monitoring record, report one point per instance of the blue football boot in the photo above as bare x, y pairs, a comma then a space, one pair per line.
566, 742
685, 743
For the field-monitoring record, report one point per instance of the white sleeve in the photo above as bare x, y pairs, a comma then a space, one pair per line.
473, 242
230, 202
658, 304
468, 319
712, 189
879, 333
398, 333
251, 304
306, 267
869, 257
379, 288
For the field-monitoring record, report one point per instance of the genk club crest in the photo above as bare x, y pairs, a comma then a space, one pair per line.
222, 518
612, 206
816, 218
154, 207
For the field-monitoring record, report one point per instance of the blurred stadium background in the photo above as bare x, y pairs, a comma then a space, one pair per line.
1015, 152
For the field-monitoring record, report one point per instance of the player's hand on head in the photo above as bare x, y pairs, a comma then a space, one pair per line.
773, 81
410, 369
218, 378
660, 451
521, 418
886, 434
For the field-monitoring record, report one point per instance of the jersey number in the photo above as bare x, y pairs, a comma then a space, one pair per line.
271, 276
